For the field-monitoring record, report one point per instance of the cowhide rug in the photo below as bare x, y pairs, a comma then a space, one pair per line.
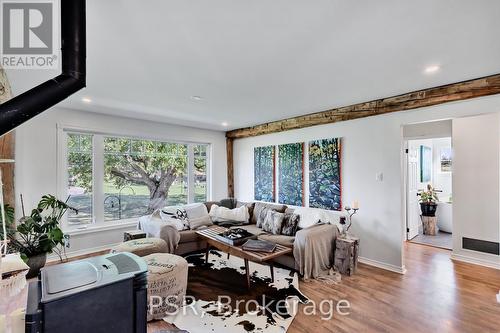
248, 310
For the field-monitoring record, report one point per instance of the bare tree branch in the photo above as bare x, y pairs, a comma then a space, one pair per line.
128, 177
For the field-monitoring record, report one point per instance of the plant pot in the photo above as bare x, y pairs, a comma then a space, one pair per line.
428, 208
35, 263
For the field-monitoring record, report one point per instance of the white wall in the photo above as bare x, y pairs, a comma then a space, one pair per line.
476, 177
370, 145
36, 158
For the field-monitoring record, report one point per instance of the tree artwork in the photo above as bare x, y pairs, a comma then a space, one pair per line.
325, 174
291, 174
264, 173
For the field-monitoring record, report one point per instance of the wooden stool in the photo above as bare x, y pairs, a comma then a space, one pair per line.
429, 224
346, 254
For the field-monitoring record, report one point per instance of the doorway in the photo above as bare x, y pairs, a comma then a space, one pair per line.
429, 163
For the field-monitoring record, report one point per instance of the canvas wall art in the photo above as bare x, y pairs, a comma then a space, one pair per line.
425, 164
291, 174
264, 170
446, 157
325, 189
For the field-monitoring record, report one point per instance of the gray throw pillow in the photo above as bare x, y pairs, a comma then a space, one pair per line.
290, 224
273, 222
261, 217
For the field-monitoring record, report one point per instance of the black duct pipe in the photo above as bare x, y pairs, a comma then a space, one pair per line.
21, 108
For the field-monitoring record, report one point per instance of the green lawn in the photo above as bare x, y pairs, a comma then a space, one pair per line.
176, 190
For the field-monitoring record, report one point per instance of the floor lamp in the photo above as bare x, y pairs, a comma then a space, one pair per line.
5, 241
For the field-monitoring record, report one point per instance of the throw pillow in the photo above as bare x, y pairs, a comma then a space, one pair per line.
261, 216
260, 205
222, 214
199, 222
175, 215
197, 216
273, 222
290, 224
196, 211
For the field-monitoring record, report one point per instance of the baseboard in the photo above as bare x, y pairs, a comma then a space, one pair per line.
382, 265
82, 252
475, 261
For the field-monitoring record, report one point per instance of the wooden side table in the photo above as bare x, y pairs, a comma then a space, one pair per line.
133, 234
346, 254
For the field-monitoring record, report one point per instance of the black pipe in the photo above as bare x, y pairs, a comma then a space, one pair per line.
21, 108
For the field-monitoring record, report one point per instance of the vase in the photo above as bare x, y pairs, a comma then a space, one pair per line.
428, 208
35, 263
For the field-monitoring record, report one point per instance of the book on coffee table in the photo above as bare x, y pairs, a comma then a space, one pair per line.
259, 246
235, 236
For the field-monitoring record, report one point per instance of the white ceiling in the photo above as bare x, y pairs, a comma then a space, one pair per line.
256, 61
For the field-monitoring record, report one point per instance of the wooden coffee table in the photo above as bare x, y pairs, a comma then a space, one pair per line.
258, 257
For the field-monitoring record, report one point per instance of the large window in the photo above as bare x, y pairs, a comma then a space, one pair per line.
114, 178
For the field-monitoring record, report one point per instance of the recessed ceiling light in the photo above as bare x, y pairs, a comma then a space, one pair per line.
225, 124
196, 98
432, 69
86, 100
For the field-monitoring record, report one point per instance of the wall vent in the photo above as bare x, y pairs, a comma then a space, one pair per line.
481, 245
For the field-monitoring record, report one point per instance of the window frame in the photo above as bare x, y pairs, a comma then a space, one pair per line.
98, 172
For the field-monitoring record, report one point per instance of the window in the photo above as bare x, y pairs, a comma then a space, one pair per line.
114, 178
80, 178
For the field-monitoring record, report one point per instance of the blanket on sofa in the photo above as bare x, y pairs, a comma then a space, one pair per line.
313, 251
154, 226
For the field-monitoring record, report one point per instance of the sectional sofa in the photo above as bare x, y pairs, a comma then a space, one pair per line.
191, 242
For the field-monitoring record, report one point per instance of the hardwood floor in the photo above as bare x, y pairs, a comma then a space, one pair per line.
435, 295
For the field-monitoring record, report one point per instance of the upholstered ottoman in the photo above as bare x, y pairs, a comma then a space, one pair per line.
142, 247
167, 283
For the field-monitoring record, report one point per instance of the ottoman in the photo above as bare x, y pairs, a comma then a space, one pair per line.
142, 247
167, 283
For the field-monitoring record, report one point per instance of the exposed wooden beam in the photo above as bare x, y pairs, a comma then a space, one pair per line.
485, 86
7, 145
230, 167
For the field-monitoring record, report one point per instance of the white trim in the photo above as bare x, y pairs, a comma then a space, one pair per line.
53, 257
98, 195
92, 228
382, 265
66, 127
475, 261
190, 173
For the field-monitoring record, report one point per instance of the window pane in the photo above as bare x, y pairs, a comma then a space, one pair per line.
141, 176
80, 178
200, 173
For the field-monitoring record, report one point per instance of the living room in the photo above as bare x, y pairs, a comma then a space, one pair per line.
285, 124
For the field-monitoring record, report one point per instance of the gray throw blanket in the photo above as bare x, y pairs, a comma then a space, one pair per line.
313, 251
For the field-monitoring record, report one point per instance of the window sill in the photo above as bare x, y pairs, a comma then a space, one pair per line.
103, 226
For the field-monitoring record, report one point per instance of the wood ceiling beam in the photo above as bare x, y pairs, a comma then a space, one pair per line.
489, 85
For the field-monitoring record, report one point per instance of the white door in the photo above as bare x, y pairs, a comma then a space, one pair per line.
412, 205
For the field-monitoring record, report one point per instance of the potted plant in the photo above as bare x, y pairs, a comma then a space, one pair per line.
40, 233
428, 201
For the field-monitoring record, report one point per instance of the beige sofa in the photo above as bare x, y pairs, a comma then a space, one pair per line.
190, 241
